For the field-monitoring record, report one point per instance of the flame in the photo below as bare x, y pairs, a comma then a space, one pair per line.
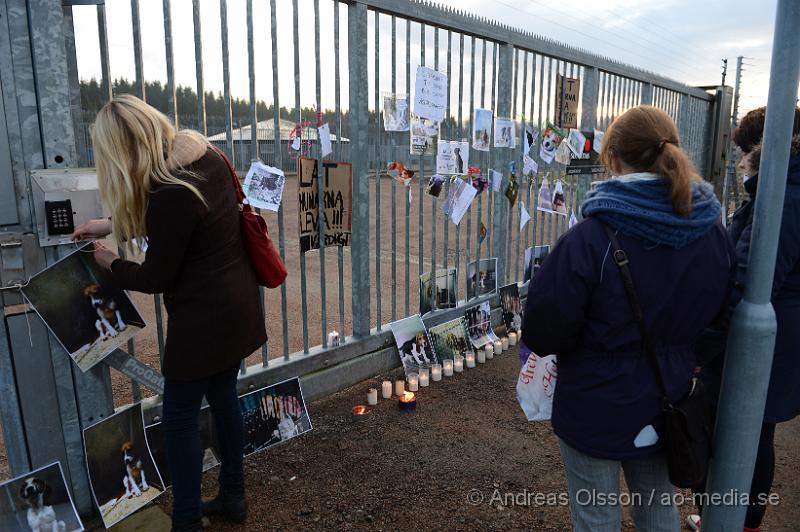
360, 410
407, 397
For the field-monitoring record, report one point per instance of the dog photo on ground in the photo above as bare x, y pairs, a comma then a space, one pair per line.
273, 415
512, 307
481, 280
83, 307
209, 443
122, 472
38, 501
450, 339
413, 344
479, 325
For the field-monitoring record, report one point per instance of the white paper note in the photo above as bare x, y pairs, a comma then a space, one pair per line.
524, 216
576, 141
430, 94
296, 143
504, 133
458, 200
530, 165
325, 139
497, 180
529, 138
263, 186
573, 220
597, 143
563, 152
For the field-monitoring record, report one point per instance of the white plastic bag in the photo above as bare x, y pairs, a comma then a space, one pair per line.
537, 385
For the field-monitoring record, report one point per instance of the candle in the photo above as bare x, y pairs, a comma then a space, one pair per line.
360, 412
413, 382
471, 360
399, 387
489, 348
505, 343
481, 358
489, 353
372, 397
386, 389
407, 402
448, 368
333, 339
436, 372
458, 364
423, 377
512, 338
498, 347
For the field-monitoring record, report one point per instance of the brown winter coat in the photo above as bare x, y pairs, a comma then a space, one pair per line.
195, 257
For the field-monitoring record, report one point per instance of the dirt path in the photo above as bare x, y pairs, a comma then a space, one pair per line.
416, 470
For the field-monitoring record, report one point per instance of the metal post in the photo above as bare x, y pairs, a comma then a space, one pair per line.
591, 84
357, 124
647, 94
505, 66
751, 340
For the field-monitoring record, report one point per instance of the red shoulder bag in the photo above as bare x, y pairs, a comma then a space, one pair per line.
267, 263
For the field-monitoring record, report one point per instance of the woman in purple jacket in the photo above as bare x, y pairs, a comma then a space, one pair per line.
607, 408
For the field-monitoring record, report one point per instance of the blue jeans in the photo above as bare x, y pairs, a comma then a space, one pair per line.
182, 401
594, 494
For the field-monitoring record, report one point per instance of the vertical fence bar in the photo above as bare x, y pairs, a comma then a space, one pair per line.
406, 201
378, 165
137, 49
393, 140
469, 180
226, 78
449, 118
171, 99
523, 177
320, 186
482, 157
338, 103
460, 135
505, 65
198, 68
421, 213
434, 278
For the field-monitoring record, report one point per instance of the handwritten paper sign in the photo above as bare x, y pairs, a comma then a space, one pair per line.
567, 90
325, 139
337, 203
430, 96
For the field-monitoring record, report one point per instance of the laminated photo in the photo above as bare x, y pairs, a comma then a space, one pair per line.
524, 216
529, 139
577, 142
435, 185
512, 190
497, 180
413, 344
551, 138
273, 415
597, 142
482, 233
573, 220
534, 257
443, 294
400, 173
481, 279
482, 129
84, 308
450, 339
504, 133
563, 153
512, 307
479, 325
545, 202
395, 112
530, 166
459, 198
209, 443
430, 94
423, 135
263, 186
122, 473
38, 501
559, 201
452, 157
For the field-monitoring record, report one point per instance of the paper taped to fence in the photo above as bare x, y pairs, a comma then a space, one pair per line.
395, 112
430, 94
263, 186
337, 203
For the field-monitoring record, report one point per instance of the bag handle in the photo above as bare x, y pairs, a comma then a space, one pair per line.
237, 186
621, 259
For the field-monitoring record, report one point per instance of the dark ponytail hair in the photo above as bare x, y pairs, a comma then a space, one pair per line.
646, 139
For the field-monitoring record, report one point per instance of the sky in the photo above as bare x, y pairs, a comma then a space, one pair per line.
685, 40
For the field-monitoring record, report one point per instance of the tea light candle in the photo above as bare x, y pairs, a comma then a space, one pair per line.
386, 389
481, 356
360, 413
498, 347
512, 338
436, 372
489, 348
423, 377
489, 353
413, 382
333, 339
399, 387
372, 397
458, 363
448, 368
505, 343
471, 360
407, 402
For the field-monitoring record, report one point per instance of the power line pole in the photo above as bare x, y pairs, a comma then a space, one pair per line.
724, 71
733, 183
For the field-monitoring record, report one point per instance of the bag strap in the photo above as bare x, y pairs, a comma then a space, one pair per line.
621, 259
237, 186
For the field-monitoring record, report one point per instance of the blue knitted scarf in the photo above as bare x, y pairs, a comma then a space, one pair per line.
640, 205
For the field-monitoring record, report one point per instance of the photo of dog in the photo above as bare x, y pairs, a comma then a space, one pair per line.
450, 339
551, 138
122, 472
479, 325
399, 172
413, 345
83, 307
444, 293
38, 501
512, 307
481, 280
273, 415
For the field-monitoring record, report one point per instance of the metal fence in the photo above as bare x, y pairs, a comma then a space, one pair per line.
360, 289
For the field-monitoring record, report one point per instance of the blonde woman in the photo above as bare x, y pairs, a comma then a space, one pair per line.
170, 190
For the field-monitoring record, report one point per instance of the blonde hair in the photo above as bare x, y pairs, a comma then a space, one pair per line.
646, 139
133, 153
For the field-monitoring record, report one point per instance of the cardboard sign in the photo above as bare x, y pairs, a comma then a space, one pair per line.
337, 203
567, 100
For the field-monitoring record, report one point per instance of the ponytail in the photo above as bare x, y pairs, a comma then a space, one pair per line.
646, 139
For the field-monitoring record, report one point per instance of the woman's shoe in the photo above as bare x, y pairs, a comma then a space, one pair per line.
227, 506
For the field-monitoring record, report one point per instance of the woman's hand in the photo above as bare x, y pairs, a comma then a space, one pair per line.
93, 229
104, 256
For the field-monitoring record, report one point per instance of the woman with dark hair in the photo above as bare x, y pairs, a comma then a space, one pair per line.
607, 409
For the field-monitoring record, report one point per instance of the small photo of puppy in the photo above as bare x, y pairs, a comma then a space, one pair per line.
38, 501
109, 319
135, 480
41, 516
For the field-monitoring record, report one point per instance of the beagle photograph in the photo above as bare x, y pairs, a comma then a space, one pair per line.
38, 501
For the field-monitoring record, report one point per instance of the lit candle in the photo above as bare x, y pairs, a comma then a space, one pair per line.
423, 377
512, 338
360, 412
399, 387
489, 348
505, 343
471, 360
481, 358
448, 368
436, 372
333, 339
372, 397
489, 353
458, 364
407, 402
386, 389
498, 347
413, 382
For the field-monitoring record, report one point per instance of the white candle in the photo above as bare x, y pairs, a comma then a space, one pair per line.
436, 372
498, 347
423, 377
399, 387
448, 368
333, 339
413, 382
505, 343
471, 360
458, 363
372, 397
481, 356
489, 353
489, 349
512, 338
386, 389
